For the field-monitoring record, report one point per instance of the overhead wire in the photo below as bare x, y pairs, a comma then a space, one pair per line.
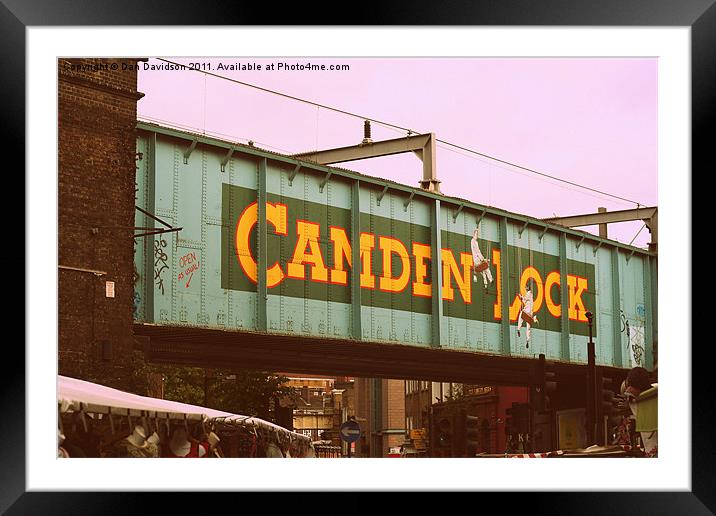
404, 129
491, 164
231, 137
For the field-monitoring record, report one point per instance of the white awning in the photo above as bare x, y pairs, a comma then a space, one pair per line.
78, 395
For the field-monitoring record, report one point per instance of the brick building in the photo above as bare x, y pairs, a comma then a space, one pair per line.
488, 402
380, 412
97, 113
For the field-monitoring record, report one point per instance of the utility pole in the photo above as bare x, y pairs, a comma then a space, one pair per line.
591, 385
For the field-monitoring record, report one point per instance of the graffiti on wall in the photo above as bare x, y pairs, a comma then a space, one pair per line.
137, 296
188, 265
635, 340
137, 301
160, 263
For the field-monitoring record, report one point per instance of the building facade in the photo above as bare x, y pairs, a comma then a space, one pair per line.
488, 402
380, 412
321, 405
97, 115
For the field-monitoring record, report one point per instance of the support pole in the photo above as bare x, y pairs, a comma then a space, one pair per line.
506, 347
591, 386
262, 242
602, 227
564, 298
355, 261
437, 273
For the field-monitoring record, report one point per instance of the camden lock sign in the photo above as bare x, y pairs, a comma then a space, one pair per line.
309, 249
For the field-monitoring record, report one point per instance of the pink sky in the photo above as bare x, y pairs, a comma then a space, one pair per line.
589, 121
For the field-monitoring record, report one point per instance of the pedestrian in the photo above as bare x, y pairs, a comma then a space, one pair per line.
479, 263
638, 380
526, 314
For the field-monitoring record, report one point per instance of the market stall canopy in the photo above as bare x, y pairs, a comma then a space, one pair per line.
75, 395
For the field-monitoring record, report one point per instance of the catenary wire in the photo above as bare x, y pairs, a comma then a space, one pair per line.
521, 173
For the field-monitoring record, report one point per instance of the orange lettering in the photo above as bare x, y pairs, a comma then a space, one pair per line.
450, 268
421, 253
391, 246
308, 233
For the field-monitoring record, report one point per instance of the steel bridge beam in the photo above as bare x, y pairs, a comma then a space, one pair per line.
604, 217
344, 357
423, 145
648, 214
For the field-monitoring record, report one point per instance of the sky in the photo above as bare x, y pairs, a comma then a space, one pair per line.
590, 121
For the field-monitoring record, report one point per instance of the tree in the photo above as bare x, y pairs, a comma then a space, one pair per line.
250, 393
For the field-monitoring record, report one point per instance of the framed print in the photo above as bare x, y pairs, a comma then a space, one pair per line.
196, 177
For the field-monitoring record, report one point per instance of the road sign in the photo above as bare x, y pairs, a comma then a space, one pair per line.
418, 434
350, 431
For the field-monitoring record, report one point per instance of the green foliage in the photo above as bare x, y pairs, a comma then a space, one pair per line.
247, 392
250, 393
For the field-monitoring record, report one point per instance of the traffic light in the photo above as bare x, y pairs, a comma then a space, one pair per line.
472, 434
518, 419
441, 432
606, 399
606, 394
444, 432
546, 383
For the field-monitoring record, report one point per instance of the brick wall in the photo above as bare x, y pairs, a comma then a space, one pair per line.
393, 413
97, 112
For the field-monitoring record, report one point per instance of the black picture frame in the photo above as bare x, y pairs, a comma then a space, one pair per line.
700, 15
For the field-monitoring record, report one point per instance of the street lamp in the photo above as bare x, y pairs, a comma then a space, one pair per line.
591, 383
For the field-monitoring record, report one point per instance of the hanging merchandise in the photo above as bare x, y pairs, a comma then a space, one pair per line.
214, 446
97, 421
134, 445
81, 439
182, 446
273, 451
254, 450
61, 452
153, 445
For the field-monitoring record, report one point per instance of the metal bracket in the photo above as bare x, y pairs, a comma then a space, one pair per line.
522, 229
482, 215
579, 244
324, 182
169, 229
457, 213
226, 159
543, 232
154, 217
189, 150
78, 269
597, 248
407, 203
158, 232
630, 255
293, 174
381, 194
